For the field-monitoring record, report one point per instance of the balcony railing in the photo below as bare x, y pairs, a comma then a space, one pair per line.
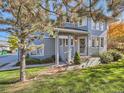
74, 26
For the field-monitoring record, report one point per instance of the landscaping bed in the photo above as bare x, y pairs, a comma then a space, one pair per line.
34, 61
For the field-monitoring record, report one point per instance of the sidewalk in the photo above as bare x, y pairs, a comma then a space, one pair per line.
28, 66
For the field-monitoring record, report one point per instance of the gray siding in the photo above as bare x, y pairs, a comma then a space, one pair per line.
49, 49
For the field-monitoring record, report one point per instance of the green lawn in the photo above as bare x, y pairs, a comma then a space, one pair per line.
101, 79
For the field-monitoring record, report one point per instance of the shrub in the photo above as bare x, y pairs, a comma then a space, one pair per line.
106, 57
116, 54
47, 60
32, 61
77, 58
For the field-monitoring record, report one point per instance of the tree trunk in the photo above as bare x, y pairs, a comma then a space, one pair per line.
22, 65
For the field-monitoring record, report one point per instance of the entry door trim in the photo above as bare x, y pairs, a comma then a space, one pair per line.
85, 50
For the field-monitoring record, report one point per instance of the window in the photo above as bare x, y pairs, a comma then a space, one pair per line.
67, 20
93, 25
72, 42
102, 42
80, 22
97, 41
93, 42
60, 42
102, 26
97, 26
66, 41
39, 52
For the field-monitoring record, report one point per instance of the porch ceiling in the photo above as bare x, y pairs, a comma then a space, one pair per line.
71, 31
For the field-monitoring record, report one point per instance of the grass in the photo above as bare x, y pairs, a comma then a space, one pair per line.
10, 77
107, 78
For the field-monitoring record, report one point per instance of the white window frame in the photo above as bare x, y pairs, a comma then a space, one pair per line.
80, 23
64, 38
102, 25
97, 26
66, 42
96, 41
93, 38
36, 52
102, 42
60, 42
93, 25
72, 42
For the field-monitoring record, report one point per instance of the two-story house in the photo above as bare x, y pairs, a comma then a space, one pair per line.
86, 37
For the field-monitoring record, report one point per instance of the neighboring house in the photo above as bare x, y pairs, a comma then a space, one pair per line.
4, 45
86, 37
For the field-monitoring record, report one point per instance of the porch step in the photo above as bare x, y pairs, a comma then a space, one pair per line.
93, 61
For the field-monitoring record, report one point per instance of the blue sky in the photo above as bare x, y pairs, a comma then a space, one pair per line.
101, 4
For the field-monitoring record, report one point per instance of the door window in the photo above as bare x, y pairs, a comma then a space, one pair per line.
82, 45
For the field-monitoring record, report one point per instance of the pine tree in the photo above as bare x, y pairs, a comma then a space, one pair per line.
77, 59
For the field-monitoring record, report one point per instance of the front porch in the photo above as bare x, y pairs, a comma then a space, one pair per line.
68, 42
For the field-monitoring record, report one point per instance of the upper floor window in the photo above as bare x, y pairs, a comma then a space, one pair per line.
97, 25
67, 20
93, 25
83, 21
80, 22
102, 26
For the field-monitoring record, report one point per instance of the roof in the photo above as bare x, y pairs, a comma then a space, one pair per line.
97, 33
71, 30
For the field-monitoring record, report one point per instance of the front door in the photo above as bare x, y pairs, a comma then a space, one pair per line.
82, 46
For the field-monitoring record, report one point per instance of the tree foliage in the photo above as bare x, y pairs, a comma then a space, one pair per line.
116, 35
13, 42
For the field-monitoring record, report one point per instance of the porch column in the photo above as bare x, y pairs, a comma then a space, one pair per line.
69, 48
57, 49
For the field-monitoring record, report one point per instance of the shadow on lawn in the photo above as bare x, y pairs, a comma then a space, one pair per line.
8, 82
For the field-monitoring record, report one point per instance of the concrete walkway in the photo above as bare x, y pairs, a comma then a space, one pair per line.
28, 66
93, 61
10, 60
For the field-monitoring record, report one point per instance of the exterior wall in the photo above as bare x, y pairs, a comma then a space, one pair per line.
93, 32
97, 50
49, 49
63, 49
63, 52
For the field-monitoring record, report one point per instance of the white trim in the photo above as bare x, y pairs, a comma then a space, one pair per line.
41, 53
70, 31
